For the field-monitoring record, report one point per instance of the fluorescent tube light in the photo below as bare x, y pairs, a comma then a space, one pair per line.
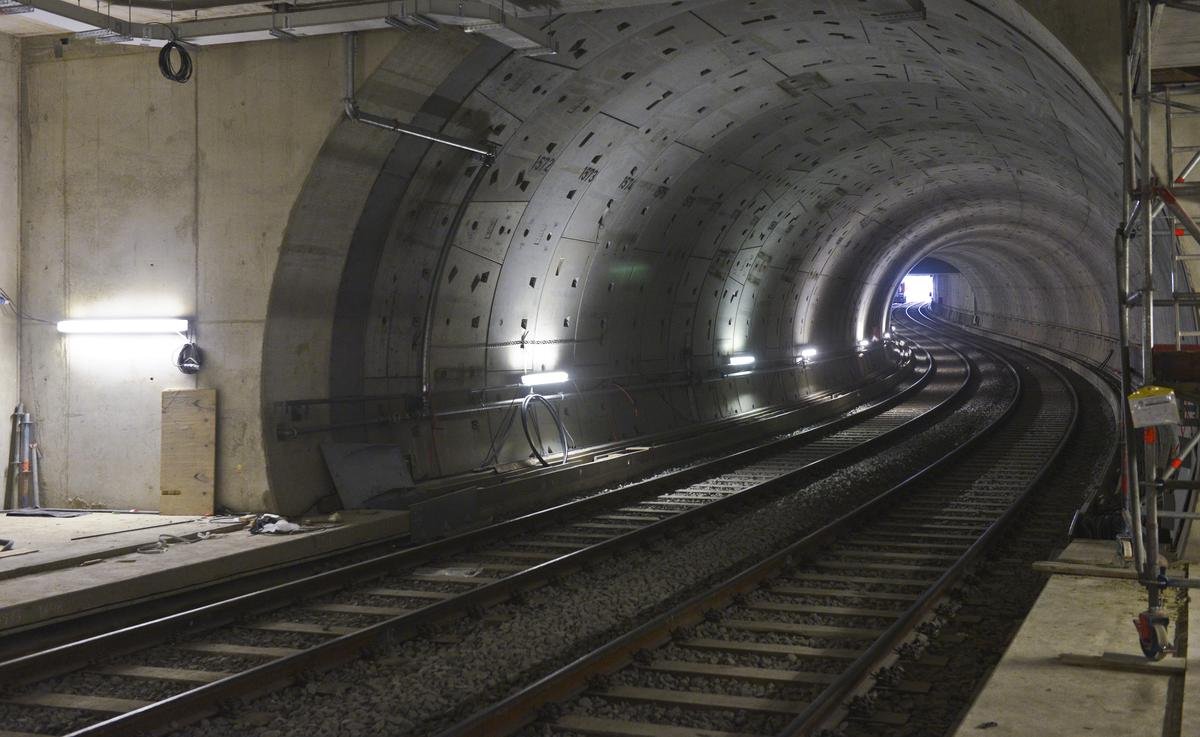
808, 353
132, 325
741, 360
549, 377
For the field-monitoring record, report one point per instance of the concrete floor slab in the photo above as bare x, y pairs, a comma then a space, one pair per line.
91, 562
1031, 692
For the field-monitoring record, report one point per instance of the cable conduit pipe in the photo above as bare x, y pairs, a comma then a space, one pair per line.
486, 151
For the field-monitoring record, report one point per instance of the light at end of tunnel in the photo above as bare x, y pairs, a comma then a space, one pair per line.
548, 377
808, 353
743, 359
153, 325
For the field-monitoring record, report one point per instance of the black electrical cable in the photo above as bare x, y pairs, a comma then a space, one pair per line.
562, 429
165, 64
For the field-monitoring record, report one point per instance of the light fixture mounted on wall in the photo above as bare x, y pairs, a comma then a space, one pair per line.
129, 326
546, 377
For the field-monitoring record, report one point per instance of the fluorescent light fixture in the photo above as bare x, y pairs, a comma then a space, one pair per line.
808, 353
548, 377
738, 373
133, 325
744, 359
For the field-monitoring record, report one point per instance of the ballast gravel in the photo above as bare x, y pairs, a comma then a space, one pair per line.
418, 687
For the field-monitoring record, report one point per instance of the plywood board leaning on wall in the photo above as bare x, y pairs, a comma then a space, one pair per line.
189, 442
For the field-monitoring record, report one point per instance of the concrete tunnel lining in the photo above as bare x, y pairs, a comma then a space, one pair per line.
772, 168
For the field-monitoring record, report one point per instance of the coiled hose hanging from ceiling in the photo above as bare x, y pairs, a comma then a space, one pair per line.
526, 411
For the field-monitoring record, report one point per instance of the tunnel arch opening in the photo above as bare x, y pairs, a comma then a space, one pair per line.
651, 213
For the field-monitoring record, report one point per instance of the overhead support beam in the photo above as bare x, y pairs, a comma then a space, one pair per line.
473, 16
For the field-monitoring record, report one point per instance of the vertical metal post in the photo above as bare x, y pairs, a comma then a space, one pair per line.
1150, 447
1147, 189
1129, 466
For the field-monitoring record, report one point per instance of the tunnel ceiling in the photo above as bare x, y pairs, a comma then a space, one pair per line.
676, 185
685, 181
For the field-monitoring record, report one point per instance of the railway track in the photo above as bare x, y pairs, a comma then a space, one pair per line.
790, 645
141, 678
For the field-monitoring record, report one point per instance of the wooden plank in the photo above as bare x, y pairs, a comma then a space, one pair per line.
78, 701
188, 454
833, 593
302, 628
1126, 663
409, 593
801, 576
854, 565
906, 531
701, 700
811, 630
437, 578
717, 670
520, 554
372, 611
621, 728
1077, 569
769, 648
250, 651
183, 675
874, 542
554, 544
890, 555
775, 606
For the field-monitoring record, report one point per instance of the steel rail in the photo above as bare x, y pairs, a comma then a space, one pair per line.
820, 709
517, 710
203, 699
520, 708
57, 659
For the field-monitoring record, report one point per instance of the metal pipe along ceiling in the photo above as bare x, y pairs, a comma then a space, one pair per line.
685, 182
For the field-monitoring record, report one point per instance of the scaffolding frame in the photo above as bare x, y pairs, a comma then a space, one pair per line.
1147, 198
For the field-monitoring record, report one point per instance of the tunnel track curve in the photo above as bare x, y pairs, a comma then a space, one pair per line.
438, 583
790, 645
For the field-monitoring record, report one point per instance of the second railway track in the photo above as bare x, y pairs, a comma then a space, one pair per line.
335, 616
786, 645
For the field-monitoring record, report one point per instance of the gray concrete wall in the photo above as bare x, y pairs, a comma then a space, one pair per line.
10, 229
149, 198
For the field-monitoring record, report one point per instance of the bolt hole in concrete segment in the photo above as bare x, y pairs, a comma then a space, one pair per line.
419, 686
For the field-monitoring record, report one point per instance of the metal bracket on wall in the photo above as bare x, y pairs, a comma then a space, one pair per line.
485, 150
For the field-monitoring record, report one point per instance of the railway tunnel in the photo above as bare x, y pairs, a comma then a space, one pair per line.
543, 367
677, 186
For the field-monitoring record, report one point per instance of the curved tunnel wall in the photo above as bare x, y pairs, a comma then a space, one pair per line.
673, 187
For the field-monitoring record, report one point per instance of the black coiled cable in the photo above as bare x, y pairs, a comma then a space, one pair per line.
179, 74
526, 410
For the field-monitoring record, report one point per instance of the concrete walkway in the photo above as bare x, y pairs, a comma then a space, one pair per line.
1075, 668
63, 566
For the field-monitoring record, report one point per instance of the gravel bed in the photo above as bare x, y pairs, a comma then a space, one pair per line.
405, 693
19, 718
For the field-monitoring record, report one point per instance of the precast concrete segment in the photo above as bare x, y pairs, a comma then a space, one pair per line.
687, 181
